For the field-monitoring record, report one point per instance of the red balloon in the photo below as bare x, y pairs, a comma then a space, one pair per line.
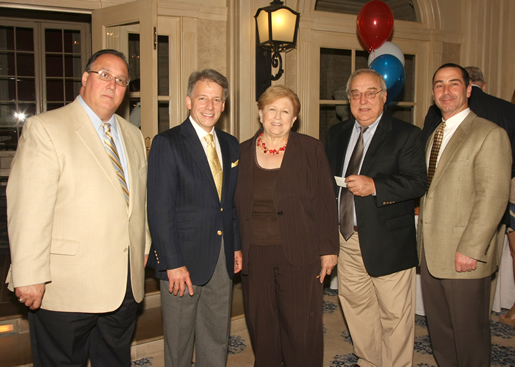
375, 23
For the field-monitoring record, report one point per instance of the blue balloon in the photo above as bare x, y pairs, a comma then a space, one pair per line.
390, 67
395, 89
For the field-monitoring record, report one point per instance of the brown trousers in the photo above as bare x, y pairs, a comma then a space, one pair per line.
283, 309
458, 317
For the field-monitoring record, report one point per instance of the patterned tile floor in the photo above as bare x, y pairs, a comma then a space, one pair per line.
338, 343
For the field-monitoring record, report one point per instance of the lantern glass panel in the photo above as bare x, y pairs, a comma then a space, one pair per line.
283, 25
262, 24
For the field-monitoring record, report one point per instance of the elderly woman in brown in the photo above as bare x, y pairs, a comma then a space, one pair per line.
289, 232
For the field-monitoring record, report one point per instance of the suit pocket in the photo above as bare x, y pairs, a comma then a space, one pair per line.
400, 222
64, 247
185, 219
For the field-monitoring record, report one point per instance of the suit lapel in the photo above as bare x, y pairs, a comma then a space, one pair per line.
194, 146
290, 155
450, 150
130, 155
342, 144
226, 162
382, 133
87, 133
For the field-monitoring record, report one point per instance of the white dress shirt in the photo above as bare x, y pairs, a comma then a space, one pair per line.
115, 134
367, 138
451, 125
202, 133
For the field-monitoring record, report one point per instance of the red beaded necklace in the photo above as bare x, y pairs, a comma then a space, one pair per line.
261, 143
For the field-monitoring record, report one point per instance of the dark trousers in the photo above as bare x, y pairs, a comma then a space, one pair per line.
458, 317
283, 309
69, 338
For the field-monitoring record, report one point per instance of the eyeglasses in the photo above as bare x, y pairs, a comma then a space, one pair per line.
107, 77
368, 95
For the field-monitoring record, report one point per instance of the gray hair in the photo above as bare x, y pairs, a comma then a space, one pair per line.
210, 75
366, 71
475, 74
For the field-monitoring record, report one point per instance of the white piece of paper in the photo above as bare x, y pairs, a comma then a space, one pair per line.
340, 181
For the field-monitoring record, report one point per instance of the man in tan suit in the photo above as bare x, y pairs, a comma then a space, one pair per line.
77, 223
459, 221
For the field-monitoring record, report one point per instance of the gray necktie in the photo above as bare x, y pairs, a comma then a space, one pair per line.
346, 197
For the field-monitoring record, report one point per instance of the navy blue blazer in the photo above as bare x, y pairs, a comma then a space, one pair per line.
185, 216
395, 159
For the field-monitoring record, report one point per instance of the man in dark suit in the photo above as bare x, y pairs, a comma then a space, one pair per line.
193, 170
378, 253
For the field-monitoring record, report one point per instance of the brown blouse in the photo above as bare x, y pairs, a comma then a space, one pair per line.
265, 227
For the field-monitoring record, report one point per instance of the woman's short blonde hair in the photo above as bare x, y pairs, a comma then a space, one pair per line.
276, 92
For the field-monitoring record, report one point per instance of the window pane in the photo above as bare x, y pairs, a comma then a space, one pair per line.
24, 39
6, 38
331, 115
53, 40
27, 110
361, 60
408, 92
7, 63
8, 138
7, 90
335, 69
162, 66
54, 65
25, 64
53, 106
72, 41
134, 62
7, 114
163, 115
26, 89
72, 89
404, 113
72, 66
135, 112
54, 90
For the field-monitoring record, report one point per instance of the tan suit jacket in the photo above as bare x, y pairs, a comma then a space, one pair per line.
69, 225
462, 210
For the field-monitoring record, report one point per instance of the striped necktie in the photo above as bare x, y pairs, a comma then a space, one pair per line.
346, 197
214, 164
115, 158
435, 149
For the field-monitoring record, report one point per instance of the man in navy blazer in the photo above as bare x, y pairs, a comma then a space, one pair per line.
196, 238
378, 252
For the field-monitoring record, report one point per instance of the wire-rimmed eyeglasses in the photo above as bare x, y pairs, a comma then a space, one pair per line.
368, 94
107, 77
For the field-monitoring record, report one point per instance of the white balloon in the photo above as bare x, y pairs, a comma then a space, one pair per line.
388, 48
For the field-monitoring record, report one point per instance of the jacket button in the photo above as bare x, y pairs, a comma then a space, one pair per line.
280, 213
221, 209
219, 233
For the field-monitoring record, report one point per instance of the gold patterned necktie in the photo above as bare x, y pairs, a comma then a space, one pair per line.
115, 158
435, 149
346, 197
214, 164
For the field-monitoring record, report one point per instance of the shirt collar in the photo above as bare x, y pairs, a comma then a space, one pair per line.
371, 127
200, 131
97, 122
457, 119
